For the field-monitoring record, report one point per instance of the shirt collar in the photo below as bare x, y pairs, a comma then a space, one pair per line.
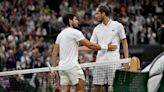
110, 20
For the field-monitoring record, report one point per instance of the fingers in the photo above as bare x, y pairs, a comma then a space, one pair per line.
112, 47
126, 66
53, 74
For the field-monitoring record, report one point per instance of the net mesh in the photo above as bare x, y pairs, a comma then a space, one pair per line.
161, 89
126, 81
40, 79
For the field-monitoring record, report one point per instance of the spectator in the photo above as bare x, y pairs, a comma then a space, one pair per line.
11, 61
160, 34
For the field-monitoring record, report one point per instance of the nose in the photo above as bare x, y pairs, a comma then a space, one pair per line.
78, 22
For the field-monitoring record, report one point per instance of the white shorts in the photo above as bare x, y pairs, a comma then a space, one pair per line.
105, 74
71, 76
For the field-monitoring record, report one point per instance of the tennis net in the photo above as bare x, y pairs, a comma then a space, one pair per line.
42, 80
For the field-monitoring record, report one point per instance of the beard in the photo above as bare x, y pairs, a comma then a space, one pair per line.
76, 27
100, 20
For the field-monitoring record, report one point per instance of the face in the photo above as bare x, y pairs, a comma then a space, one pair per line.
75, 22
98, 15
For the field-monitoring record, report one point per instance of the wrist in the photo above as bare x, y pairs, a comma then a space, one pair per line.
104, 47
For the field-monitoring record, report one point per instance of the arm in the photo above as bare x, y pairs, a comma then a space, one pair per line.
126, 53
125, 48
54, 55
84, 48
124, 42
88, 46
92, 45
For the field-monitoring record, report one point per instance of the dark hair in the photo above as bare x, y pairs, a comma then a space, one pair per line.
67, 17
105, 9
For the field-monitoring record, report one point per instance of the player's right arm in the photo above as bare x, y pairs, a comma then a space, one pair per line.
54, 54
54, 57
89, 45
79, 37
95, 46
92, 45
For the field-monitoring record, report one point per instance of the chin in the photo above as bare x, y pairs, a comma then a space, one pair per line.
76, 27
99, 20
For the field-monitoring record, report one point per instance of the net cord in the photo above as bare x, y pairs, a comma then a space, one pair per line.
47, 69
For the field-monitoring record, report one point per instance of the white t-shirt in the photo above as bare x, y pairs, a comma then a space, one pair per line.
104, 34
68, 41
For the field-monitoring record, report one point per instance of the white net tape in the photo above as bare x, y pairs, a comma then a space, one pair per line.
47, 69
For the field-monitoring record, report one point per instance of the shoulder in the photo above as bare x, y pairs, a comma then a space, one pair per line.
68, 31
60, 33
98, 27
76, 31
117, 23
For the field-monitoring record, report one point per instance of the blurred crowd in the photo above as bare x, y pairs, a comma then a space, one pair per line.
28, 28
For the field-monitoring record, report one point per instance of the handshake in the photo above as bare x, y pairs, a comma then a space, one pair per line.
109, 47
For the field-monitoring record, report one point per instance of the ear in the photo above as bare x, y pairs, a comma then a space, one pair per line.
70, 22
103, 13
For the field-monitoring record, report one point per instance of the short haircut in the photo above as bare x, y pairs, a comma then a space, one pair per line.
105, 9
66, 18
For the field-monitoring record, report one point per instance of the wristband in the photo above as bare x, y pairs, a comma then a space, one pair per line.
104, 47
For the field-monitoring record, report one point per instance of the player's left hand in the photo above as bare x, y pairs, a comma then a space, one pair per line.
126, 66
53, 75
112, 47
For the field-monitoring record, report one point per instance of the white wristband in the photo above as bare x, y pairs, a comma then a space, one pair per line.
104, 47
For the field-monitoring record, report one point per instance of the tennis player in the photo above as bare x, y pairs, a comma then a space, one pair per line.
108, 31
66, 45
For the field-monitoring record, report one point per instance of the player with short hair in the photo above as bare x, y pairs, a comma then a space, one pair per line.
66, 45
108, 31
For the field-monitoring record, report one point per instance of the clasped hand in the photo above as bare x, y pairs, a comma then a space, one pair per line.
112, 47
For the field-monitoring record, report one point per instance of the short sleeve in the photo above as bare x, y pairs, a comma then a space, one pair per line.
57, 39
78, 35
94, 37
121, 31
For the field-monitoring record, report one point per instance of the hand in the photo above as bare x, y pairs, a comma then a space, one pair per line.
112, 47
126, 66
53, 75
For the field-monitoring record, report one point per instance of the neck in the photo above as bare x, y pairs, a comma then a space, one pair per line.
106, 20
68, 26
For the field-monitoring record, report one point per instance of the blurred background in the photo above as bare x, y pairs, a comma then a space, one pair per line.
28, 28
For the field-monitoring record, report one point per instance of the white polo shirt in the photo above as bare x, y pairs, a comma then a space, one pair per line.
104, 34
68, 41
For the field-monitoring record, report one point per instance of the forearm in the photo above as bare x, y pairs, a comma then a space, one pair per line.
125, 49
90, 45
126, 52
54, 60
84, 48
54, 55
94, 46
